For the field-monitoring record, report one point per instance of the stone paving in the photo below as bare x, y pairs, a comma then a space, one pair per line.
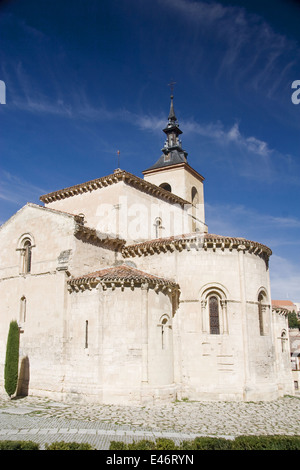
43, 420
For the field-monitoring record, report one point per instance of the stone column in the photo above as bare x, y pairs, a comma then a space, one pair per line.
204, 316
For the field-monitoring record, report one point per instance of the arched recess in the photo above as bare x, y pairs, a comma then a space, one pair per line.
263, 311
214, 319
25, 245
166, 186
165, 325
195, 202
284, 339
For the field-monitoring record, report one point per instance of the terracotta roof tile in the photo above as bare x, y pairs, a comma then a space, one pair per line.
122, 273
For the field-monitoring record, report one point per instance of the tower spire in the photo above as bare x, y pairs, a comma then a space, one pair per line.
173, 152
172, 116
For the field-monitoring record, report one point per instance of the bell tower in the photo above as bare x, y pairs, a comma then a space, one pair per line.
173, 173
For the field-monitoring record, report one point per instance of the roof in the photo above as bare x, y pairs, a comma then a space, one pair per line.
116, 177
204, 240
282, 303
121, 274
175, 156
77, 218
81, 231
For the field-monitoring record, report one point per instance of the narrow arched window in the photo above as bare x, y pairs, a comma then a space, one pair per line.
283, 341
194, 195
158, 227
86, 342
27, 256
261, 313
163, 333
214, 322
165, 326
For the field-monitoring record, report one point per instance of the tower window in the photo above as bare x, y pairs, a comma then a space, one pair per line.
166, 186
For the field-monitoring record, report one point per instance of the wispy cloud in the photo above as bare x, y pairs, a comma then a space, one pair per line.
16, 190
248, 52
218, 132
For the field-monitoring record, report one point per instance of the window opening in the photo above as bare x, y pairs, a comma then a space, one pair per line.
260, 314
158, 227
86, 345
214, 316
27, 256
166, 186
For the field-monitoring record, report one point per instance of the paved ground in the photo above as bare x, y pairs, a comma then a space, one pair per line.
45, 421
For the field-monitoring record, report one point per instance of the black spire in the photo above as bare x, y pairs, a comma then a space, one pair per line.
172, 151
172, 116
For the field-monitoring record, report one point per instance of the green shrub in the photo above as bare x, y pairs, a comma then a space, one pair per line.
117, 445
215, 443
165, 444
267, 443
68, 446
144, 444
207, 443
12, 359
18, 445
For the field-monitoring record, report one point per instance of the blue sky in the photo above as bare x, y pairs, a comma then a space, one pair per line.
85, 79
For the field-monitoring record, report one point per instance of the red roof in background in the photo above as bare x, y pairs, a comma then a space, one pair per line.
283, 303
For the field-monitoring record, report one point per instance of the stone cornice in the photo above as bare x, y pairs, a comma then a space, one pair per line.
280, 310
196, 241
116, 177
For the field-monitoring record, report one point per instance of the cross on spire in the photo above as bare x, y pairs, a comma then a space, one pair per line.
171, 85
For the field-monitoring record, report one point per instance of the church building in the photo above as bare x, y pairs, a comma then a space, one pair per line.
123, 296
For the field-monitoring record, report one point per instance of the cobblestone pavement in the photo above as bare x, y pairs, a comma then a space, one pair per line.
44, 421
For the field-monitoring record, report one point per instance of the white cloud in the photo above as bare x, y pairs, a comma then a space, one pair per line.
251, 54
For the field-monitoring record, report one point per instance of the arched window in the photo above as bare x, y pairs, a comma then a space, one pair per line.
195, 202
213, 313
25, 245
195, 196
283, 341
262, 298
158, 227
166, 186
165, 326
214, 321
27, 256
86, 341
